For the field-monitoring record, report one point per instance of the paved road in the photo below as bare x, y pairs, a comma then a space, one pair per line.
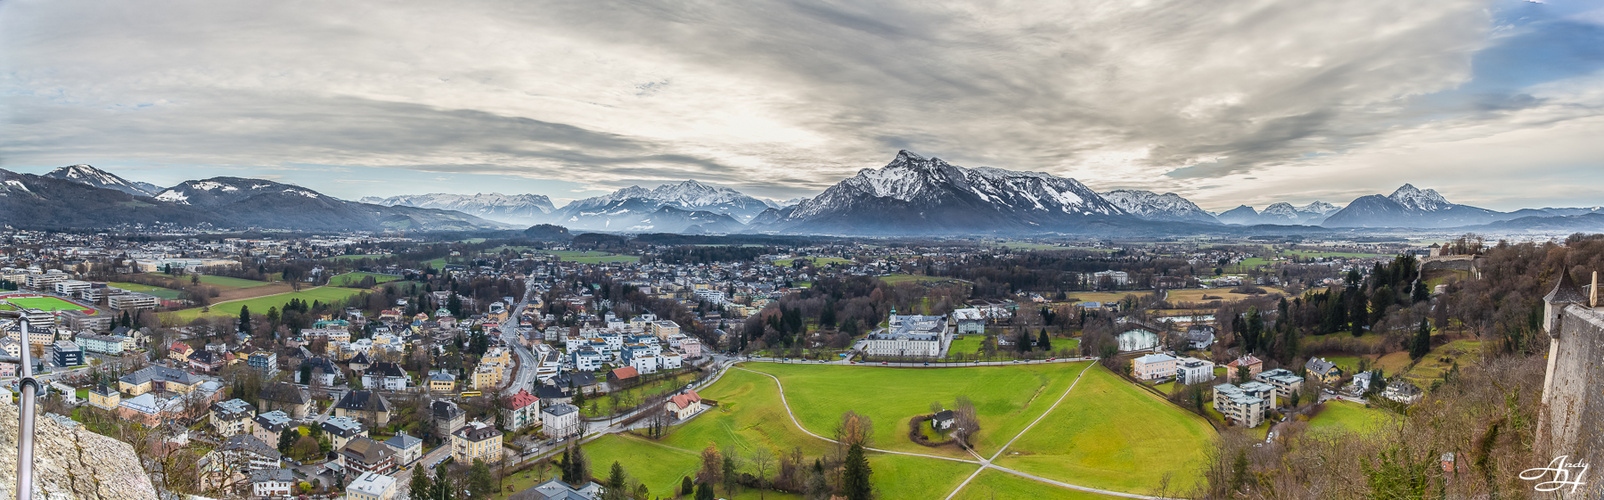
524, 376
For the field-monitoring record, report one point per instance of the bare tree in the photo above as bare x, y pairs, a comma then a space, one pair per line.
965, 421
762, 462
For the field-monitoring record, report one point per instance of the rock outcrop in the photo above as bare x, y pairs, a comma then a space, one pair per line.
71, 463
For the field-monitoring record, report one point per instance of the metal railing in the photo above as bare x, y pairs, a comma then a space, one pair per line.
29, 389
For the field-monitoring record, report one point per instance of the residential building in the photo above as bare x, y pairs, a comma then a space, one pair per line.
103, 344
66, 353
366, 455
180, 352
1200, 336
1245, 405
87, 322
245, 452
232, 417
1324, 371
476, 441
561, 420
620, 378
131, 301
1253, 364
1402, 391
407, 449
104, 397
268, 426
664, 328
587, 360
440, 381
969, 321
521, 410
385, 376
371, 486
157, 378
487, 376
1190, 371
555, 489
910, 336
447, 417
367, 406
342, 430
1284, 381
264, 362
285, 396
1153, 367
670, 361
682, 406
691, 347
272, 483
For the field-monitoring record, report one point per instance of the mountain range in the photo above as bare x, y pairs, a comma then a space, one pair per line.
910, 196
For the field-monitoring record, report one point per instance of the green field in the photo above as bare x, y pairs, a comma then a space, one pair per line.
1006, 398
994, 484
654, 387
165, 293
817, 261
897, 279
589, 257
967, 344
222, 281
259, 305
355, 277
1111, 435
47, 304
1347, 416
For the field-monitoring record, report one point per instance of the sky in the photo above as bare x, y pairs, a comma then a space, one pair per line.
1494, 103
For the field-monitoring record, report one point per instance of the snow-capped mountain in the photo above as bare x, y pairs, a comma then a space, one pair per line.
1410, 207
918, 195
521, 209
626, 208
1152, 206
1281, 213
91, 176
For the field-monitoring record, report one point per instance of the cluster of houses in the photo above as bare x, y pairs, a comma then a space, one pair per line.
1249, 403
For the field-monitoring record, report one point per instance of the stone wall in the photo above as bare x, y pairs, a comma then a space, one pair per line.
71, 463
1574, 425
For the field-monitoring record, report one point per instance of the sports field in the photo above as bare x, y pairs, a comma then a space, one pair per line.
1111, 435
259, 305
1347, 416
355, 277
45, 303
159, 292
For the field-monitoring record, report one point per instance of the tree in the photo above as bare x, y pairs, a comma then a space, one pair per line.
420, 482
704, 492
443, 489
855, 482
480, 483
854, 429
1422, 342
732, 476
286, 440
245, 319
1044, 342
617, 483
686, 487
965, 420
710, 472
762, 462
1242, 374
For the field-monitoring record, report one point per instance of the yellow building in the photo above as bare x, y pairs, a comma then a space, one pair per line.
487, 376
477, 440
105, 398
442, 382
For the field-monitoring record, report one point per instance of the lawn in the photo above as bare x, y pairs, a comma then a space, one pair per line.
355, 277
1111, 435
817, 261
967, 344
1006, 398
159, 292
259, 305
1225, 294
44, 303
222, 281
589, 257
639, 391
1104, 297
1432, 366
1347, 416
994, 484
897, 279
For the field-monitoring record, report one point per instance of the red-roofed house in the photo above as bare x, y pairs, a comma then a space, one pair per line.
180, 352
623, 377
520, 410
1254, 366
684, 405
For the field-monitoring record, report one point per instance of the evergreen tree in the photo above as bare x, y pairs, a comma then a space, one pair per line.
855, 482
1420, 294
686, 487
617, 488
563, 466
420, 483
1422, 342
443, 490
704, 492
286, 440
244, 319
1044, 342
480, 482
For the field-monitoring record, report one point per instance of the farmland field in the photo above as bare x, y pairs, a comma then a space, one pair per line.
259, 305
1225, 294
353, 278
1347, 416
159, 292
1104, 297
1111, 435
221, 281
897, 279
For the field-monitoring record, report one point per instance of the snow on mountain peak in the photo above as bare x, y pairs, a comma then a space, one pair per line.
1415, 198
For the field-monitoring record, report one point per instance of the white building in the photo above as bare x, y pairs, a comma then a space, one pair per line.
1244, 405
910, 336
1284, 381
970, 321
1153, 367
560, 419
271, 483
131, 301
371, 486
1190, 371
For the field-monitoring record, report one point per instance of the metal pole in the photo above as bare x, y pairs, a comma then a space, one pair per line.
29, 388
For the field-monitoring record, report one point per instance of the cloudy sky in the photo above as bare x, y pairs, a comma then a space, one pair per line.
1494, 103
